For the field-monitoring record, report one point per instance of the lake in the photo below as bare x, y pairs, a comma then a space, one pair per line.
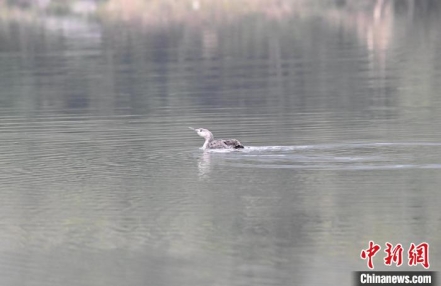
102, 182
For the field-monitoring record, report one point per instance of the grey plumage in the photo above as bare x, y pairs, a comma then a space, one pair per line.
211, 143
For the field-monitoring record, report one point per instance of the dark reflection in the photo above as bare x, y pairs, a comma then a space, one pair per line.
259, 62
103, 184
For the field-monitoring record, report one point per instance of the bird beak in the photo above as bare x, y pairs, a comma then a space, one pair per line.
192, 128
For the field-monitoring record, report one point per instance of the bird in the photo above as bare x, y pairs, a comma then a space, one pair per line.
211, 143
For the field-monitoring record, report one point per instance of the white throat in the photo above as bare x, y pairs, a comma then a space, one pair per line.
205, 144
208, 138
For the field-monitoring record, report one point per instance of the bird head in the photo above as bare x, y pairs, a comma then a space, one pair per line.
204, 133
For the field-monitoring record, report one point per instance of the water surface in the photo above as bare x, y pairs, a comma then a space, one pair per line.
102, 183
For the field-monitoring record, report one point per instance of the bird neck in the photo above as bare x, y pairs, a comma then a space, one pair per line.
205, 144
210, 137
207, 141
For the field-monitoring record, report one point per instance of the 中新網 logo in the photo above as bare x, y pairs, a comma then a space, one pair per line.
417, 254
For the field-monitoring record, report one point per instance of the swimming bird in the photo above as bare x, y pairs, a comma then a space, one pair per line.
211, 143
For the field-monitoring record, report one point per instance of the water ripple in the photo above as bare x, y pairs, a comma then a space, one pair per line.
339, 156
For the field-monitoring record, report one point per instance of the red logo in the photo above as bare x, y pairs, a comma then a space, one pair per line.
393, 255
417, 254
370, 253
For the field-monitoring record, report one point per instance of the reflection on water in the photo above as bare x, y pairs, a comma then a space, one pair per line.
204, 165
103, 183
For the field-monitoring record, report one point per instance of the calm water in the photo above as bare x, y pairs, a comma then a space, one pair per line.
102, 183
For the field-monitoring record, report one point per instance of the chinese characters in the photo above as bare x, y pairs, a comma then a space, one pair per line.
417, 254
